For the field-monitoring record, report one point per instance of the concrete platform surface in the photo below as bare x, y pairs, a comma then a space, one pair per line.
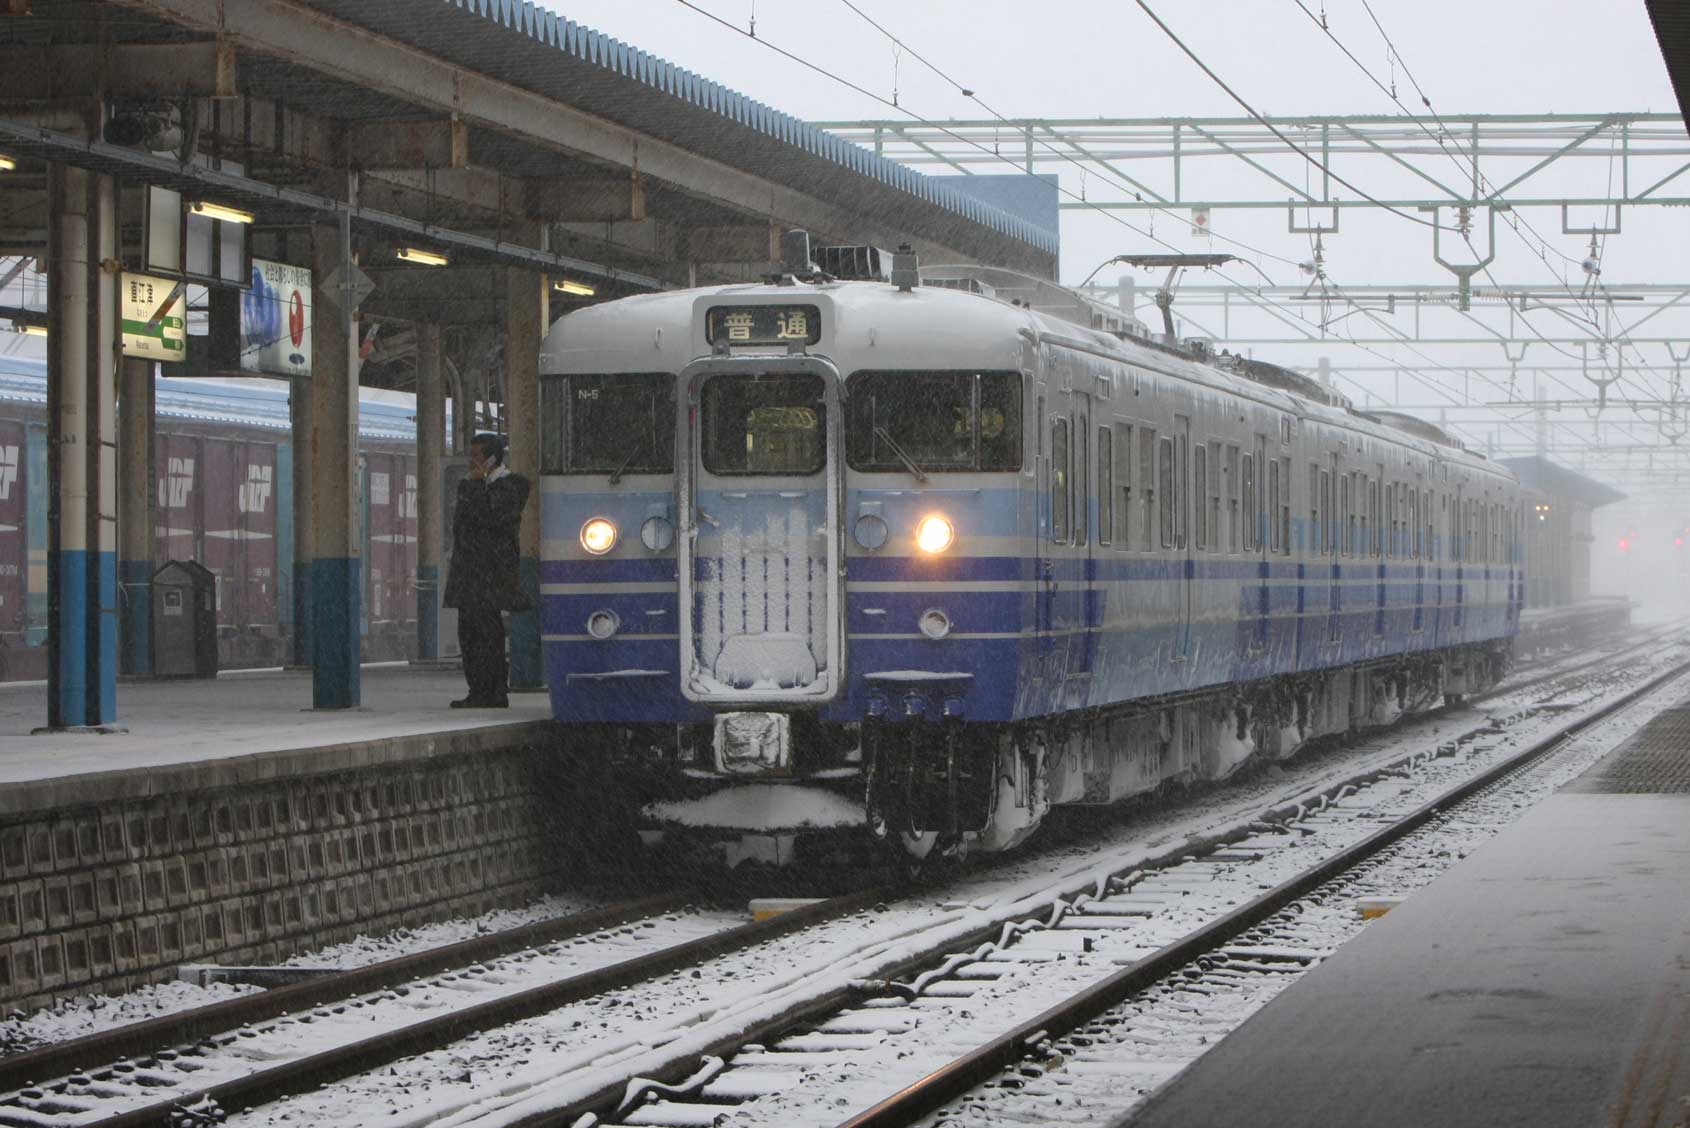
1543, 981
244, 726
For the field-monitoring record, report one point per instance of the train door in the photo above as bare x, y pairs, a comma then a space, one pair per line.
1256, 534
1082, 603
1181, 497
759, 485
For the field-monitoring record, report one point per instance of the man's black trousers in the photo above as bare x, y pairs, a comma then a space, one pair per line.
481, 639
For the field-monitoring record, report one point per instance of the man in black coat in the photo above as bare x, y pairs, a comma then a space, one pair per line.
483, 580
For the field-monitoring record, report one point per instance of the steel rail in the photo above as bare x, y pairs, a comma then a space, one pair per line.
601, 1101
148, 1036
985, 1062
317, 1069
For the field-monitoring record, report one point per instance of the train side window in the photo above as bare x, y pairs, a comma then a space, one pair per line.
1370, 519
1412, 547
1247, 486
1061, 497
1105, 485
1147, 448
1200, 489
1165, 478
1284, 465
1123, 449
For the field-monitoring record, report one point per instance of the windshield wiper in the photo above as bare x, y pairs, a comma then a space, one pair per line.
881, 434
616, 474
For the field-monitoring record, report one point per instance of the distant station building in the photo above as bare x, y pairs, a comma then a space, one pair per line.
1558, 536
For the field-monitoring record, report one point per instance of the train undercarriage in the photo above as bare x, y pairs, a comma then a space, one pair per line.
926, 789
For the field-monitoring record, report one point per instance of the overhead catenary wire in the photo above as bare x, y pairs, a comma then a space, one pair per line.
1590, 325
1280, 308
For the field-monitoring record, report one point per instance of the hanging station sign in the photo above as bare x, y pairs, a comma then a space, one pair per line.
276, 320
155, 317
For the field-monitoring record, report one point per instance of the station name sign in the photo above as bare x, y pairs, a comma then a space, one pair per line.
155, 317
763, 324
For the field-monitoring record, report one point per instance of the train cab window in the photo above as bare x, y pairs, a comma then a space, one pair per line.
1165, 488
1105, 486
620, 423
773, 424
1061, 492
941, 421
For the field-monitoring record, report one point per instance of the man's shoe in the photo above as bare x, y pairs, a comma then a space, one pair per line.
499, 702
466, 703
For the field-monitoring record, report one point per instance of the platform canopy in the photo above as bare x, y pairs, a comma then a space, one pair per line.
496, 132
1540, 474
1672, 27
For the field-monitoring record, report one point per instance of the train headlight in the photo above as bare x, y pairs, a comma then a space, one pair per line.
934, 534
598, 536
871, 532
657, 533
602, 624
934, 623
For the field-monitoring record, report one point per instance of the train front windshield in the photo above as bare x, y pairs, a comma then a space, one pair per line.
770, 424
954, 421
621, 423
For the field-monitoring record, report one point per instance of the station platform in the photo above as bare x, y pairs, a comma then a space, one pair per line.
245, 727
1543, 981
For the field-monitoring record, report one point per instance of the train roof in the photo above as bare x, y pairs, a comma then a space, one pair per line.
976, 323
252, 402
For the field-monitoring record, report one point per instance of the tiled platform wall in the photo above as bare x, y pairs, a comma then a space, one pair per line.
106, 898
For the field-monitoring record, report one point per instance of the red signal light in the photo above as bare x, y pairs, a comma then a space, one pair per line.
1624, 544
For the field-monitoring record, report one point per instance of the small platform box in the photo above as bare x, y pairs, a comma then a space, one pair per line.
184, 621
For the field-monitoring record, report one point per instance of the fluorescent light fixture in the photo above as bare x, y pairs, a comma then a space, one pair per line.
219, 211
579, 289
7, 164
426, 258
31, 330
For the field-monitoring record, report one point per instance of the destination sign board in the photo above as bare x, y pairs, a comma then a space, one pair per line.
763, 324
155, 318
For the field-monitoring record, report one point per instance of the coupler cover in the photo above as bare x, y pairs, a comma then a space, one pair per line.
753, 743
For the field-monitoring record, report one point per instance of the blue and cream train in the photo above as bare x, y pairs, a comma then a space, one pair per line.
929, 559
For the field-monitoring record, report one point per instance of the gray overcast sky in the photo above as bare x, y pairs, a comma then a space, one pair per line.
1071, 58
1075, 58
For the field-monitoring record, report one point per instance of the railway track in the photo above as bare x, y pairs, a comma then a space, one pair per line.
123, 1077
1138, 1027
1225, 913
